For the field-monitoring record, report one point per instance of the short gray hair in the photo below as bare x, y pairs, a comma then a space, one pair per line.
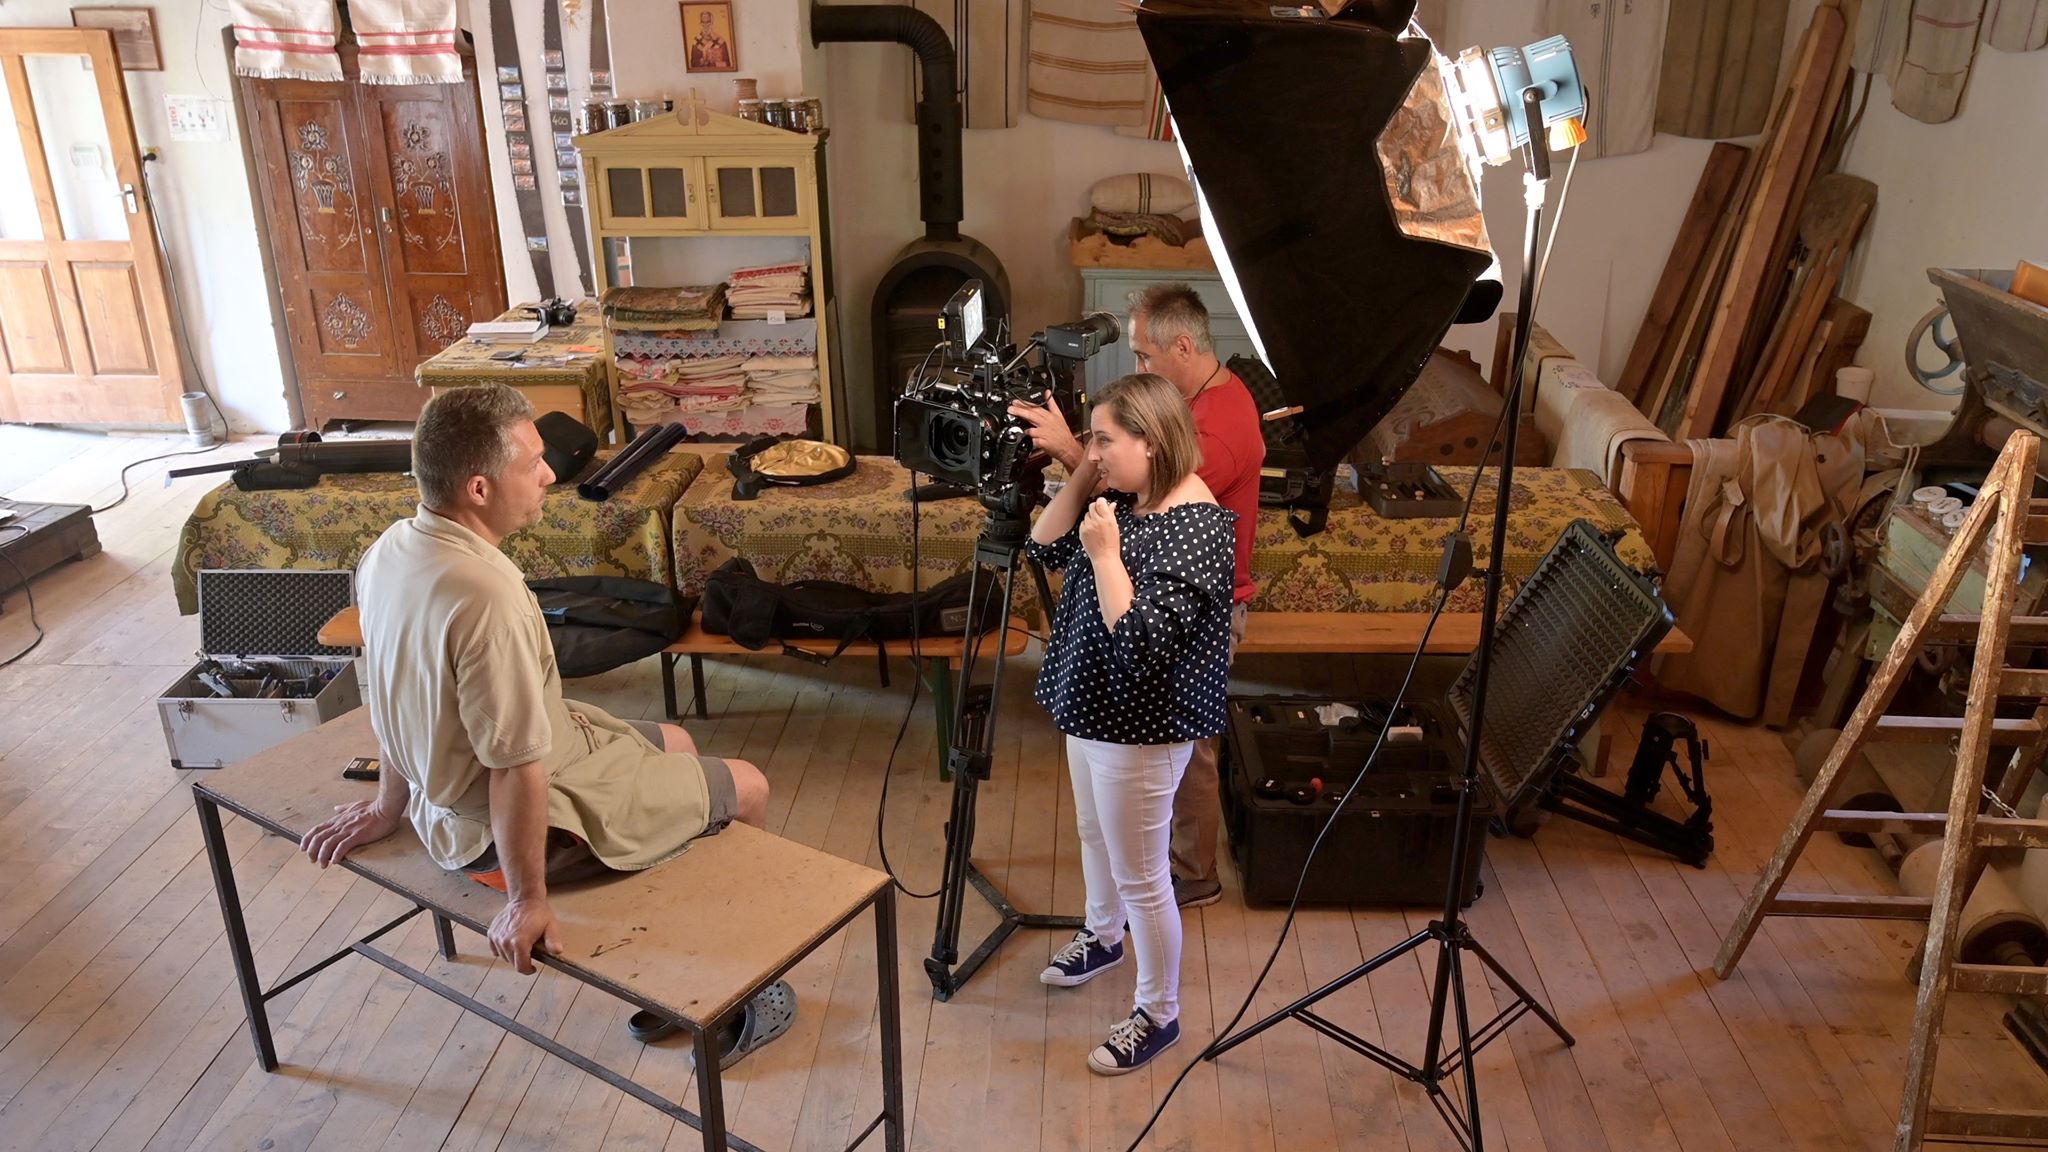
463, 432
1170, 311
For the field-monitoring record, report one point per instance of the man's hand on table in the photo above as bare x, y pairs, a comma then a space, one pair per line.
519, 928
351, 826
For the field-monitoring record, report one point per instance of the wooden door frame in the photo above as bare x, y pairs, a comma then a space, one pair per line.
142, 249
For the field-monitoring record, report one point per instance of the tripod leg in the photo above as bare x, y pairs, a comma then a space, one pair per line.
1521, 993
1474, 1132
1309, 1001
938, 673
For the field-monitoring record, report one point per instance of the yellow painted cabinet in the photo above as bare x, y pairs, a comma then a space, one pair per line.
696, 175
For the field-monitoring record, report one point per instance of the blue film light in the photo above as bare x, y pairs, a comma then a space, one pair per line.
1547, 66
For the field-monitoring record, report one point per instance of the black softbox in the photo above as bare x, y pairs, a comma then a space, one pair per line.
1291, 123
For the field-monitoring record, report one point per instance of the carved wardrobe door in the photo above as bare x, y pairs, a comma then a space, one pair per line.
435, 217
376, 201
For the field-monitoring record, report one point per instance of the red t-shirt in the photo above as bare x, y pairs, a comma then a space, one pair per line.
1233, 450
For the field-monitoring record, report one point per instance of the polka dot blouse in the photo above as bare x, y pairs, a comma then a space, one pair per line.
1161, 676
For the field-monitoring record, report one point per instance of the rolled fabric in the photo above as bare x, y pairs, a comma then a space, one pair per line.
651, 445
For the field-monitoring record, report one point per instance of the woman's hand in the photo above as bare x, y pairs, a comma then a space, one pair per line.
1099, 533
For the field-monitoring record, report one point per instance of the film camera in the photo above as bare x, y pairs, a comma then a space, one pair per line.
953, 420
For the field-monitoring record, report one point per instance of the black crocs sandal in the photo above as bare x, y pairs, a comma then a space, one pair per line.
768, 1015
647, 1027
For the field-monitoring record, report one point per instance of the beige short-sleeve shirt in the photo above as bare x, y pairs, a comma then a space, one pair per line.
461, 679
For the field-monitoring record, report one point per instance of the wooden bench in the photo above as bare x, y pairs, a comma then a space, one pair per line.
638, 936
935, 658
1283, 633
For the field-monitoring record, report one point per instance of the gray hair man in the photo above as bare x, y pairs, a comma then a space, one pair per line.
502, 777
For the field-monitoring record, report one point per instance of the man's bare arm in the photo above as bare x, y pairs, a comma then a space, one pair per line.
519, 827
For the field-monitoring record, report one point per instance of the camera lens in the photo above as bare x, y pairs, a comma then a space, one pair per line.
952, 440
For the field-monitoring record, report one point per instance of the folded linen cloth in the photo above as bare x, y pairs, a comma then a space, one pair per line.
285, 40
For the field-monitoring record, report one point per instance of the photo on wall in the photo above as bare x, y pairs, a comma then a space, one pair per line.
708, 36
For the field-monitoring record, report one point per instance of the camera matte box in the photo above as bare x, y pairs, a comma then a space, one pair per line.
1391, 845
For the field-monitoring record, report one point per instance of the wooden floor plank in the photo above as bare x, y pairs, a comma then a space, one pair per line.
121, 1029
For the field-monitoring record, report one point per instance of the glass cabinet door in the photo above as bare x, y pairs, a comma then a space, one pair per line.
754, 194
658, 197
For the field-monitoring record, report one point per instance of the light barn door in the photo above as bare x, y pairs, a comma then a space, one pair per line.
85, 326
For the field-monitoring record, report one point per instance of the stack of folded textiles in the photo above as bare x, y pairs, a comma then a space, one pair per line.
782, 380
654, 388
664, 309
755, 293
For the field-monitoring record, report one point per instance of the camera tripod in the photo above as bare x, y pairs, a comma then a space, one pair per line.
996, 553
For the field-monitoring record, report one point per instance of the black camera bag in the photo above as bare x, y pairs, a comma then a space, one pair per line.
598, 623
740, 604
1287, 481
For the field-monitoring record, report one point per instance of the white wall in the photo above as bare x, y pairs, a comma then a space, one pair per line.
202, 195
1965, 194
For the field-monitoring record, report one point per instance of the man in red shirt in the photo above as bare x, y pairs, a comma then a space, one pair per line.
1169, 336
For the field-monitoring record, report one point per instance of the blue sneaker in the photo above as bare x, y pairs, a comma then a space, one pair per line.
1084, 958
1132, 1044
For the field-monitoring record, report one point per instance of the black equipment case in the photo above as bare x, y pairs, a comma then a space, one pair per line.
1393, 843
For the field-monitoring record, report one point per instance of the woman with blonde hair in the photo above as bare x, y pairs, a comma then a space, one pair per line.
1136, 670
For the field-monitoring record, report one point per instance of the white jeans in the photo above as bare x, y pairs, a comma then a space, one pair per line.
1123, 809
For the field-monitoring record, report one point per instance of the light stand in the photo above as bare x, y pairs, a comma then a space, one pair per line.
970, 758
1451, 935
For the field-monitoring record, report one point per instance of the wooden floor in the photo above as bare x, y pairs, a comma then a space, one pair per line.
120, 1027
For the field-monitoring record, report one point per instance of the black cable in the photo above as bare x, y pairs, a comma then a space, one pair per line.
916, 681
26, 591
126, 468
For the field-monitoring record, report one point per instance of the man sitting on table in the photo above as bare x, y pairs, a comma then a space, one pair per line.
503, 778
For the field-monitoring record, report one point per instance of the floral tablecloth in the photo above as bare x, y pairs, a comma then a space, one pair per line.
858, 531
1363, 562
330, 525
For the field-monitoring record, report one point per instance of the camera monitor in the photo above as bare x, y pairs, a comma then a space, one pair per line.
1342, 215
962, 322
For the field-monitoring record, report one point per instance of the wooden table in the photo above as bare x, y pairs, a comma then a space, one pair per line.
769, 902
563, 371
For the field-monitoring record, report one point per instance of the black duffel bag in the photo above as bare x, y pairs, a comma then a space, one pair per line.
599, 623
755, 612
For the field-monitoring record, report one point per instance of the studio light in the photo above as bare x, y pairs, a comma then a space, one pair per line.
1336, 166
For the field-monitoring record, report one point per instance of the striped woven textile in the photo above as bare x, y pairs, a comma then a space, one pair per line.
285, 39
406, 41
1087, 64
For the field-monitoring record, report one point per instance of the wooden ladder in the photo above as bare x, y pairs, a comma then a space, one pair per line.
2007, 519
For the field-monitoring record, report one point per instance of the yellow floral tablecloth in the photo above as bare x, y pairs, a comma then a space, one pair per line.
858, 531
1362, 562
330, 525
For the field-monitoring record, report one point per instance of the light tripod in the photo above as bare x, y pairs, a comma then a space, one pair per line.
1441, 1062
971, 756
